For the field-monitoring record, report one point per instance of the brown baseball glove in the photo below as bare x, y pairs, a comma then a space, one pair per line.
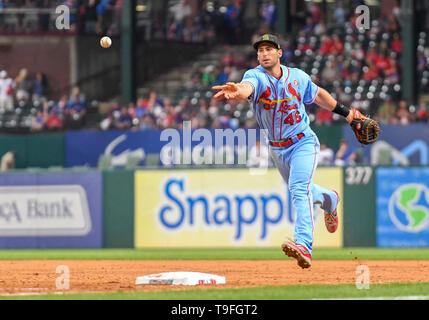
365, 129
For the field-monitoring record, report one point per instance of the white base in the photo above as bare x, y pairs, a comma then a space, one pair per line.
181, 278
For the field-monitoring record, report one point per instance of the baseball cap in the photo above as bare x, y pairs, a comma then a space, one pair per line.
267, 38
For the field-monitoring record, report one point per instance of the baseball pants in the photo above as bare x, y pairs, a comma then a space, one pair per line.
297, 164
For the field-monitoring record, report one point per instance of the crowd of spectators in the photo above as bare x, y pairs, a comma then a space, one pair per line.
220, 21
153, 112
86, 16
178, 20
205, 21
27, 97
360, 69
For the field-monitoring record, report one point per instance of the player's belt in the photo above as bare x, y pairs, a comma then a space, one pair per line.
287, 142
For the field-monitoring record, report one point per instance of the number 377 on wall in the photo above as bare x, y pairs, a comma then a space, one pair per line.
358, 175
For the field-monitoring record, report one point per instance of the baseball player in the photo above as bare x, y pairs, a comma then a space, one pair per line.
278, 95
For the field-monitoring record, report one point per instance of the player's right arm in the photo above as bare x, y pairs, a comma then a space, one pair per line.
231, 90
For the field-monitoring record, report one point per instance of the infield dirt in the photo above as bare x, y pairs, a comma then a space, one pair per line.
39, 276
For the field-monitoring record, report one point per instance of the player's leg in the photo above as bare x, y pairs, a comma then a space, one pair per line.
279, 157
303, 163
297, 167
302, 160
327, 199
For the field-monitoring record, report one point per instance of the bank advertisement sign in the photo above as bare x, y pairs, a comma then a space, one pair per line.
51, 210
222, 208
403, 207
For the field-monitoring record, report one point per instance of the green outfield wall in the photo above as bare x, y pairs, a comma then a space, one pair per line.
359, 205
118, 213
36, 150
330, 135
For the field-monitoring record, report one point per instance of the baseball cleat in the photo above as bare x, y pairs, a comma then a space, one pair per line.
299, 252
331, 219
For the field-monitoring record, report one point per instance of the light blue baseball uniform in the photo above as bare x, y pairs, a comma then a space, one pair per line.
279, 107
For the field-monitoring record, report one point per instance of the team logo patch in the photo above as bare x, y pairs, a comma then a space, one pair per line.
292, 91
266, 94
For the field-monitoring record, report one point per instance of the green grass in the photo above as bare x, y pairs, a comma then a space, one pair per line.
212, 254
295, 292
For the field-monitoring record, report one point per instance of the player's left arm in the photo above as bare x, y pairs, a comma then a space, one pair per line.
326, 101
365, 129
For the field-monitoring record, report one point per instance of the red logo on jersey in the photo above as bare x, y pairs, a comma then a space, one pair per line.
292, 91
285, 108
266, 94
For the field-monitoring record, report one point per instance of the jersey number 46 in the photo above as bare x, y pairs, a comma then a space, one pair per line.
293, 118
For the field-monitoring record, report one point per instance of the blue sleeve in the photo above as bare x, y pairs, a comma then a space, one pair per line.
307, 86
251, 77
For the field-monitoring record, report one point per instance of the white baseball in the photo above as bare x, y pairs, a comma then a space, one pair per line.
105, 42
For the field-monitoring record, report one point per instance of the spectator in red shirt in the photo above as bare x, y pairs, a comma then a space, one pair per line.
392, 72
316, 13
325, 45
54, 122
382, 62
337, 46
370, 73
396, 44
372, 56
323, 116
422, 114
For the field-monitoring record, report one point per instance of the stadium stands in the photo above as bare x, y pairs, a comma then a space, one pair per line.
359, 67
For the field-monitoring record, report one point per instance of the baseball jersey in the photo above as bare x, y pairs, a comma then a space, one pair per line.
278, 104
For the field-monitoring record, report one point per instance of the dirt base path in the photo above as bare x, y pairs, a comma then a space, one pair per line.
40, 276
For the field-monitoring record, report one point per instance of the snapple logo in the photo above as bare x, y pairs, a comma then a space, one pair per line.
181, 209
